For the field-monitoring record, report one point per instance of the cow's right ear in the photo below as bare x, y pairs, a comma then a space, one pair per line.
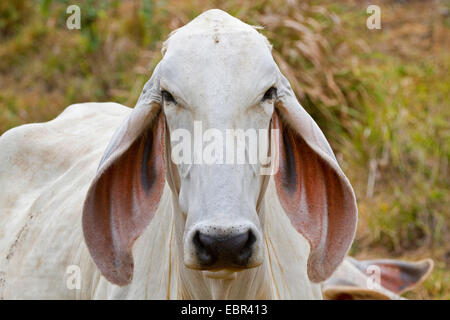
126, 190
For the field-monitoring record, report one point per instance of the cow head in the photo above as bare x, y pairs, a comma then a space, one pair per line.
218, 76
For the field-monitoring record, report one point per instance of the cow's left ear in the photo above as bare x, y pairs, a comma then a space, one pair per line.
313, 190
126, 190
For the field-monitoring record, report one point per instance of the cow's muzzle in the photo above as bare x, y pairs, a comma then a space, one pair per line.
217, 248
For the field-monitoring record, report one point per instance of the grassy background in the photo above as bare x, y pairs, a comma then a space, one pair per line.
381, 96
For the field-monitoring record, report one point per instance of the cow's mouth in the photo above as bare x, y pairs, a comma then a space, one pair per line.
224, 274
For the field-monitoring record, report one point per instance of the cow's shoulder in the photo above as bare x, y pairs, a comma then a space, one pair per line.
77, 128
74, 119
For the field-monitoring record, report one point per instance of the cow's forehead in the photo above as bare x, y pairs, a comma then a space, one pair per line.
214, 22
240, 49
216, 48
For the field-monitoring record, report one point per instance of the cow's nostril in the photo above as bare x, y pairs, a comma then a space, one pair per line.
227, 250
247, 249
205, 253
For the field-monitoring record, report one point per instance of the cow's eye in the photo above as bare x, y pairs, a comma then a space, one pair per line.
167, 97
270, 94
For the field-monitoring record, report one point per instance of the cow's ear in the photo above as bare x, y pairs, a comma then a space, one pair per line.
125, 193
313, 190
396, 275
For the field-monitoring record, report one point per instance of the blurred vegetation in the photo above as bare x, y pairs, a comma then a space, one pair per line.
381, 96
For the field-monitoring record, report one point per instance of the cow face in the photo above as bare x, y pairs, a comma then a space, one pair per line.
218, 94
218, 88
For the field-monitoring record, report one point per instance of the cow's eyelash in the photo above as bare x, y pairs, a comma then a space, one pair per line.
167, 96
270, 94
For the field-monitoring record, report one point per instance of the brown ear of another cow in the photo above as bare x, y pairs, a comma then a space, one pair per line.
396, 275
313, 190
125, 193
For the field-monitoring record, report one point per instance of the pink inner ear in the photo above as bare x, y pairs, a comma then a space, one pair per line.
300, 182
121, 202
312, 195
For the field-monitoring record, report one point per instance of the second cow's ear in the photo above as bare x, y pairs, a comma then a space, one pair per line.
396, 275
314, 192
125, 193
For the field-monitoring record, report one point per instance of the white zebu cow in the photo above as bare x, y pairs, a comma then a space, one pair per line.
201, 231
